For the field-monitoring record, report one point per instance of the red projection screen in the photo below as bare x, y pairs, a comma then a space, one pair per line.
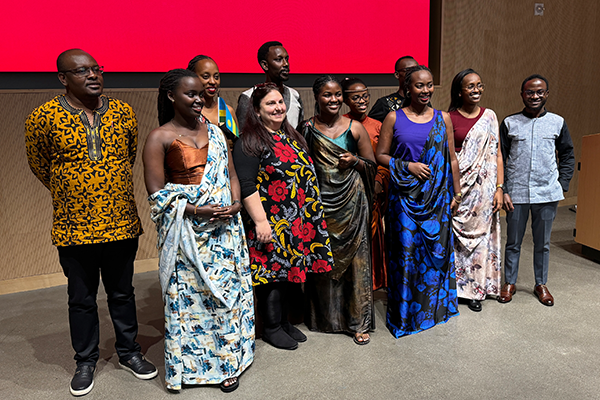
337, 36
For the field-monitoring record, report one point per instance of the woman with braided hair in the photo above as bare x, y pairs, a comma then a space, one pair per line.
203, 259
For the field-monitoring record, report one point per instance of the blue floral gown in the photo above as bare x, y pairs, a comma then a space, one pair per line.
422, 280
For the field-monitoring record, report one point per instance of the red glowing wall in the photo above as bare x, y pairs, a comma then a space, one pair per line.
337, 36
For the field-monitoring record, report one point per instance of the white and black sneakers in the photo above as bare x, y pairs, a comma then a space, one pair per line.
139, 367
83, 380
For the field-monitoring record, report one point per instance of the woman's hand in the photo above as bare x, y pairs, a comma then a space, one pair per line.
454, 206
263, 232
227, 212
498, 200
211, 212
419, 170
347, 160
207, 211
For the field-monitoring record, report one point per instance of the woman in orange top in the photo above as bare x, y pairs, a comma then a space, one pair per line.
356, 96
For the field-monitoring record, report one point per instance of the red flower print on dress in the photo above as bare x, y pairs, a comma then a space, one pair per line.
284, 152
275, 266
304, 250
296, 275
274, 209
321, 266
270, 169
301, 197
277, 137
297, 228
278, 191
308, 232
324, 224
257, 256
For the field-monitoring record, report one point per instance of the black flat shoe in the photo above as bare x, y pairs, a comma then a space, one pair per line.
475, 305
277, 337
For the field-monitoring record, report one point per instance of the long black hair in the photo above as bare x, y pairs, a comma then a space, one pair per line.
318, 84
408, 80
256, 139
169, 83
456, 100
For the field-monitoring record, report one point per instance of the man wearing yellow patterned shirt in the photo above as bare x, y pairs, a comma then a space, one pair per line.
82, 147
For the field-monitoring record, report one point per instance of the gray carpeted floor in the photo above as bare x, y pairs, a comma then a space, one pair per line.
520, 350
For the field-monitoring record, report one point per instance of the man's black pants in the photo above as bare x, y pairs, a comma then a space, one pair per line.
82, 265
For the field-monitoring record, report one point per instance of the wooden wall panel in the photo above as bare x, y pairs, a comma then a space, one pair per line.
505, 43
500, 39
25, 204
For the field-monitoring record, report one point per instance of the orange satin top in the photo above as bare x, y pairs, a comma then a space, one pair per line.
184, 164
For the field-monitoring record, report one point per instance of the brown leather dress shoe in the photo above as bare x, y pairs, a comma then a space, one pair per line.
543, 295
506, 293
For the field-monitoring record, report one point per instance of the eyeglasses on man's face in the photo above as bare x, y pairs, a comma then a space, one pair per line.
85, 71
540, 93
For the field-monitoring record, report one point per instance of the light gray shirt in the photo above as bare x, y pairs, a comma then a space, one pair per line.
533, 173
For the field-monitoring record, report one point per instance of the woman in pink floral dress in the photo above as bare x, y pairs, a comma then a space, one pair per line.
476, 224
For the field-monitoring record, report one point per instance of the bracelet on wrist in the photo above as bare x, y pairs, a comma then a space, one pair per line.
500, 186
195, 208
236, 201
356, 162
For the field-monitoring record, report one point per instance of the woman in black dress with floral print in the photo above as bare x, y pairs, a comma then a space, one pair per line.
287, 235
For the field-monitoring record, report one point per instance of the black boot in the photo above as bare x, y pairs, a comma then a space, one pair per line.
271, 311
290, 329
